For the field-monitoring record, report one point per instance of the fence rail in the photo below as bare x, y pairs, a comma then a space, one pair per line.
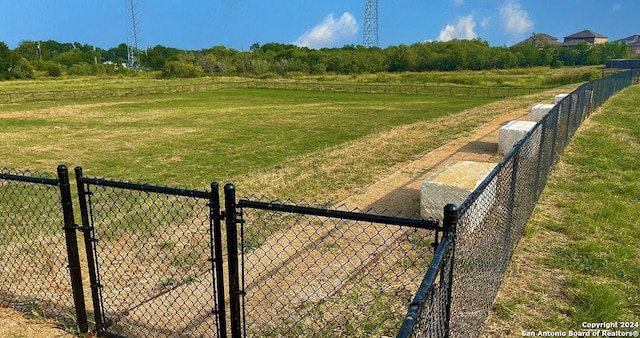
373, 88
155, 262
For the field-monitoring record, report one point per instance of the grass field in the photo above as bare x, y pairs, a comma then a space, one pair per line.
285, 144
537, 77
192, 139
579, 260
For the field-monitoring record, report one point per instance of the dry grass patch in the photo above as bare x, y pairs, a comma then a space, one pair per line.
13, 324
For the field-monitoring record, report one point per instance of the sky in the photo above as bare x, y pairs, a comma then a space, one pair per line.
237, 24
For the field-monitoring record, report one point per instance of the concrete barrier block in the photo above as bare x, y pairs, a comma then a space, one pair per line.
559, 98
511, 133
453, 184
539, 111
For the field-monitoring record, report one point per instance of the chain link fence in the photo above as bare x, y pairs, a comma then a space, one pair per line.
34, 275
310, 272
153, 252
492, 219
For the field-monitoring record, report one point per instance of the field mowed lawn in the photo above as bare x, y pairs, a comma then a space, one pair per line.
191, 139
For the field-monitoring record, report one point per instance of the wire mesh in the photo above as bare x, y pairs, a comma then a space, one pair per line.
310, 275
34, 276
433, 320
153, 254
493, 218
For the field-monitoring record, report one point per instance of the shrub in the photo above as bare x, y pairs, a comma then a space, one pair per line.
178, 69
81, 69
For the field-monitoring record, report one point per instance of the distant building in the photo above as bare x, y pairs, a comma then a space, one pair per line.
633, 44
588, 36
539, 40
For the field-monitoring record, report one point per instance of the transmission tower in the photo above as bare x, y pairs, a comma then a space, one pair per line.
371, 24
133, 38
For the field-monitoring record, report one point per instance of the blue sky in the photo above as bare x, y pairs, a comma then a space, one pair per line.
198, 24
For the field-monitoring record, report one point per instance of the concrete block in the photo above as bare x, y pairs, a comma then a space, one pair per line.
453, 184
559, 98
539, 111
511, 133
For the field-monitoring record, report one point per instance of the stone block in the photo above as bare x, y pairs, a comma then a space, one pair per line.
511, 133
539, 111
559, 98
453, 184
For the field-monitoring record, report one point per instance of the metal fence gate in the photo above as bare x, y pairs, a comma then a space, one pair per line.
148, 260
155, 258
305, 270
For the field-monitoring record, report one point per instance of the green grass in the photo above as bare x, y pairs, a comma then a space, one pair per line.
602, 208
537, 77
192, 139
581, 248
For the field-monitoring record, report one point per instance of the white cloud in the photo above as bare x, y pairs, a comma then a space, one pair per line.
458, 2
616, 7
462, 30
329, 32
516, 20
485, 22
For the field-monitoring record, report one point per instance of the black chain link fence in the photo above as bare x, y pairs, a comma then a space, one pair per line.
308, 275
492, 219
153, 253
34, 276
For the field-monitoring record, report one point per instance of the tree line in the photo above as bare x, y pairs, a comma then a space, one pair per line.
50, 58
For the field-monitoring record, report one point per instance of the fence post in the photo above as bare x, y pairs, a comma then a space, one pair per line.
450, 222
570, 113
556, 120
216, 255
72, 248
232, 258
89, 240
540, 155
512, 204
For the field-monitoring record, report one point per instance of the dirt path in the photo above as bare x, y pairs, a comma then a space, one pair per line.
400, 192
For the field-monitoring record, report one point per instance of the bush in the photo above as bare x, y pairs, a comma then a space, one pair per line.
21, 70
53, 69
98, 69
50, 68
178, 69
81, 69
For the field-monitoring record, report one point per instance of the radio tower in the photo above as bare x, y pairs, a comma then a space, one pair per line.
371, 24
132, 38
